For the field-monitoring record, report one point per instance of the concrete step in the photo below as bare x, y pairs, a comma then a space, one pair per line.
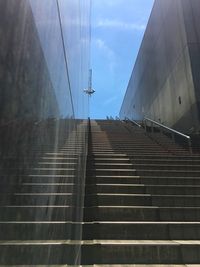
108, 155
104, 179
138, 213
134, 152
39, 252
59, 159
110, 265
142, 231
100, 252
103, 199
110, 160
39, 213
141, 188
100, 230
115, 188
151, 180
148, 180
169, 173
34, 199
175, 200
173, 189
42, 230
117, 165
60, 155
111, 172
167, 167
141, 252
40, 188
117, 199
37, 178
141, 157
151, 154
166, 161
126, 147
53, 164
53, 170
140, 265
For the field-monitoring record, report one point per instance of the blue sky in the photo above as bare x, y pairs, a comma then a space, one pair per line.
117, 30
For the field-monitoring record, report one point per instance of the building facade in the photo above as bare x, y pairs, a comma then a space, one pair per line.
165, 81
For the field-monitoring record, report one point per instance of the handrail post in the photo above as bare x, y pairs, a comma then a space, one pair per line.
152, 127
145, 125
190, 145
173, 137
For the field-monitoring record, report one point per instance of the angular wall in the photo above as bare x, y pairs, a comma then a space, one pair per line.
164, 82
44, 68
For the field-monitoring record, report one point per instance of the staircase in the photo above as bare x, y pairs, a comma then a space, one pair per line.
142, 202
139, 205
41, 202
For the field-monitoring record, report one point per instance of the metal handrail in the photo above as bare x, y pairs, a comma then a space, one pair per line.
170, 130
109, 118
137, 124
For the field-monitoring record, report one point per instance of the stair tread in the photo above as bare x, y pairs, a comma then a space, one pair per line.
102, 242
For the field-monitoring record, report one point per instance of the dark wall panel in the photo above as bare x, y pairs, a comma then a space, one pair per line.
166, 67
26, 90
44, 67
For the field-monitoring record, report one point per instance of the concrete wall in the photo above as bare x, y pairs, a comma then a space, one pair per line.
26, 90
44, 67
163, 86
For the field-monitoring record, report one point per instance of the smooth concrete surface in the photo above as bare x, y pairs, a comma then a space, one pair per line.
44, 67
164, 84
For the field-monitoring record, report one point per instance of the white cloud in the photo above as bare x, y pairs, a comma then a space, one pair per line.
107, 51
103, 46
108, 23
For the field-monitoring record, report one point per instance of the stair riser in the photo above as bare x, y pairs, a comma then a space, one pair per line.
165, 161
142, 158
111, 166
110, 172
146, 181
40, 214
169, 173
139, 231
141, 214
57, 165
34, 200
39, 254
41, 189
164, 190
18, 180
37, 231
158, 201
100, 156
141, 254
170, 181
53, 171
113, 180
109, 160
173, 201
167, 168
112, 200
115, 189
